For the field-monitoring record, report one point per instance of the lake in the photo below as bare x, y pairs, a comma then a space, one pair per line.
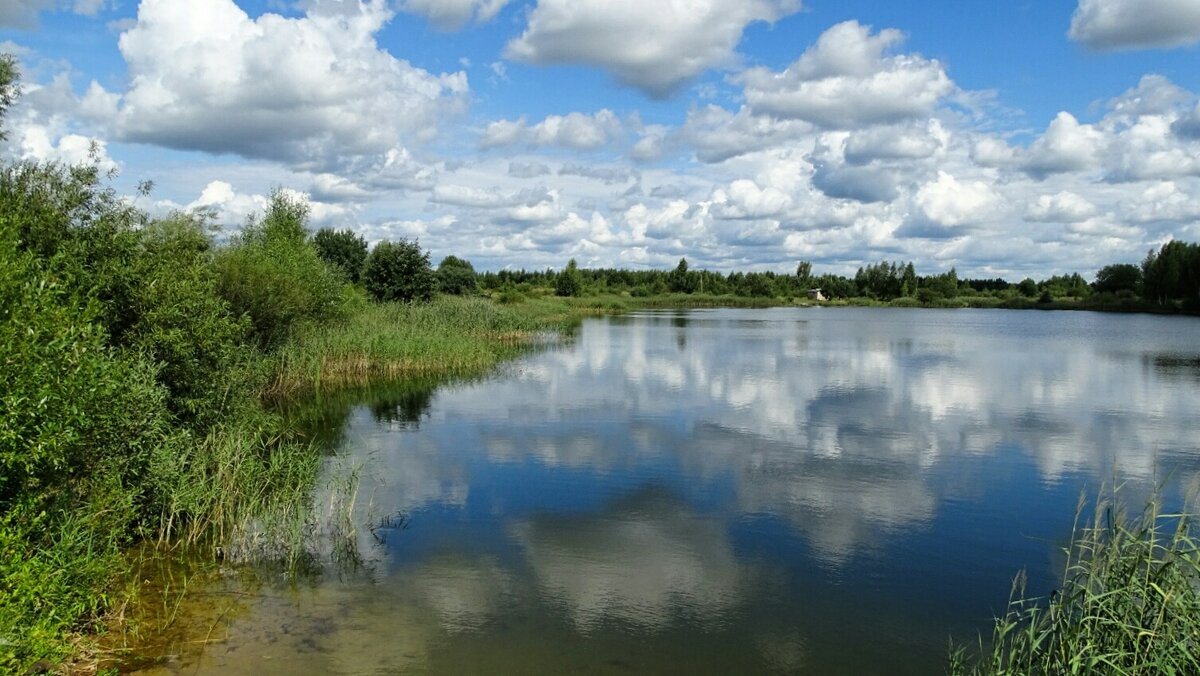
796, 490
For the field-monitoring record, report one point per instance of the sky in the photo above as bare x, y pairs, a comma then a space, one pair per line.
1013, 139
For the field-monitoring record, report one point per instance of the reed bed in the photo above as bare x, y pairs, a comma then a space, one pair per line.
1129, 604
450, 336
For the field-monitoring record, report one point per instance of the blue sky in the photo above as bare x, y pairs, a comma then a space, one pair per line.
1000, 138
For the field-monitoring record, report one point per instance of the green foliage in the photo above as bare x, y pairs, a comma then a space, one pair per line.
399, 271
273, 276
82, 426
1118, 277
1173, 274
184, 327
343, 249
456, 276
1027, 287
569, 282
679, 281
804, 275
9, 77
1129, 603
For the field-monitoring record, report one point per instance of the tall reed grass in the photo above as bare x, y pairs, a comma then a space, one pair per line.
1129, 604
449, 336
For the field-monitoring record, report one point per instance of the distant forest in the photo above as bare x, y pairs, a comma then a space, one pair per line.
1168, 278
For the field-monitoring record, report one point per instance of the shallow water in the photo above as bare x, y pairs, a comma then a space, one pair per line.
816, 491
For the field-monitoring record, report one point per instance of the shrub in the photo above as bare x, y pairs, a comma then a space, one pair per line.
274, 277
399, 271
342, 249
569, 282
456, 276
184, 326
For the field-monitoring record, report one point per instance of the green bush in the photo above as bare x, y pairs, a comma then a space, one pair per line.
456, 276
83, 428
183, 325
569, 282
399, 271
274, 277
342, 249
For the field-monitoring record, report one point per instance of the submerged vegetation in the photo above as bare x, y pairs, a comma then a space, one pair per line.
1129, 603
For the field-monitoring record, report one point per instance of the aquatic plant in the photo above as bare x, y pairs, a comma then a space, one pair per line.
1129, 603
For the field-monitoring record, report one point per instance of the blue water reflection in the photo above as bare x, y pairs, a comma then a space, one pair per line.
814, 491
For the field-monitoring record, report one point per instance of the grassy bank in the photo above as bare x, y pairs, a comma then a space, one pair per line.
449, 336
1129, 603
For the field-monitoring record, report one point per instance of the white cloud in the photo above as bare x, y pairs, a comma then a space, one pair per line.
1062, 207
654, 46
454, 14
312, 91
573, 130
24, 13
1125, 24
952, 203
744, 199
232, 208
527, 169
718, 135
36, 142
894, 143
1164, 201
847, 80
863, 184
1066, 146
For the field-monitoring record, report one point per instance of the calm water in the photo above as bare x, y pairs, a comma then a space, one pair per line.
816, 491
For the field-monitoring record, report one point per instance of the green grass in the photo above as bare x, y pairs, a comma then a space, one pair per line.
1129, 604
389, 341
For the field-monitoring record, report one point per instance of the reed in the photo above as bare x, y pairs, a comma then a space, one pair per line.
1129, 603
388, 341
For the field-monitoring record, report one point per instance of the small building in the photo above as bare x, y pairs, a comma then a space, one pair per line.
815, 294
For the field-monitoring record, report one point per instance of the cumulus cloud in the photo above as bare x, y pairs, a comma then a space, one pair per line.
24, 13
36, 142
848, 80
527, 169
862, 184
604, 174
654, 46
894, 143
1126, 24
454, 14
233, 208
717, 135
1062, 207
1188, 126
949, 206
1066, 146
311, 91
744, 199
573, 130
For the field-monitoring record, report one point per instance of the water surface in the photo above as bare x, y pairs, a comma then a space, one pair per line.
814, 491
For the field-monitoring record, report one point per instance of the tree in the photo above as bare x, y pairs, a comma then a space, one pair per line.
678, 280
569, 281
399, 271
1118, 277
343, 249
1173, 273
9, 88
804, 275
456, 276
1028, 287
